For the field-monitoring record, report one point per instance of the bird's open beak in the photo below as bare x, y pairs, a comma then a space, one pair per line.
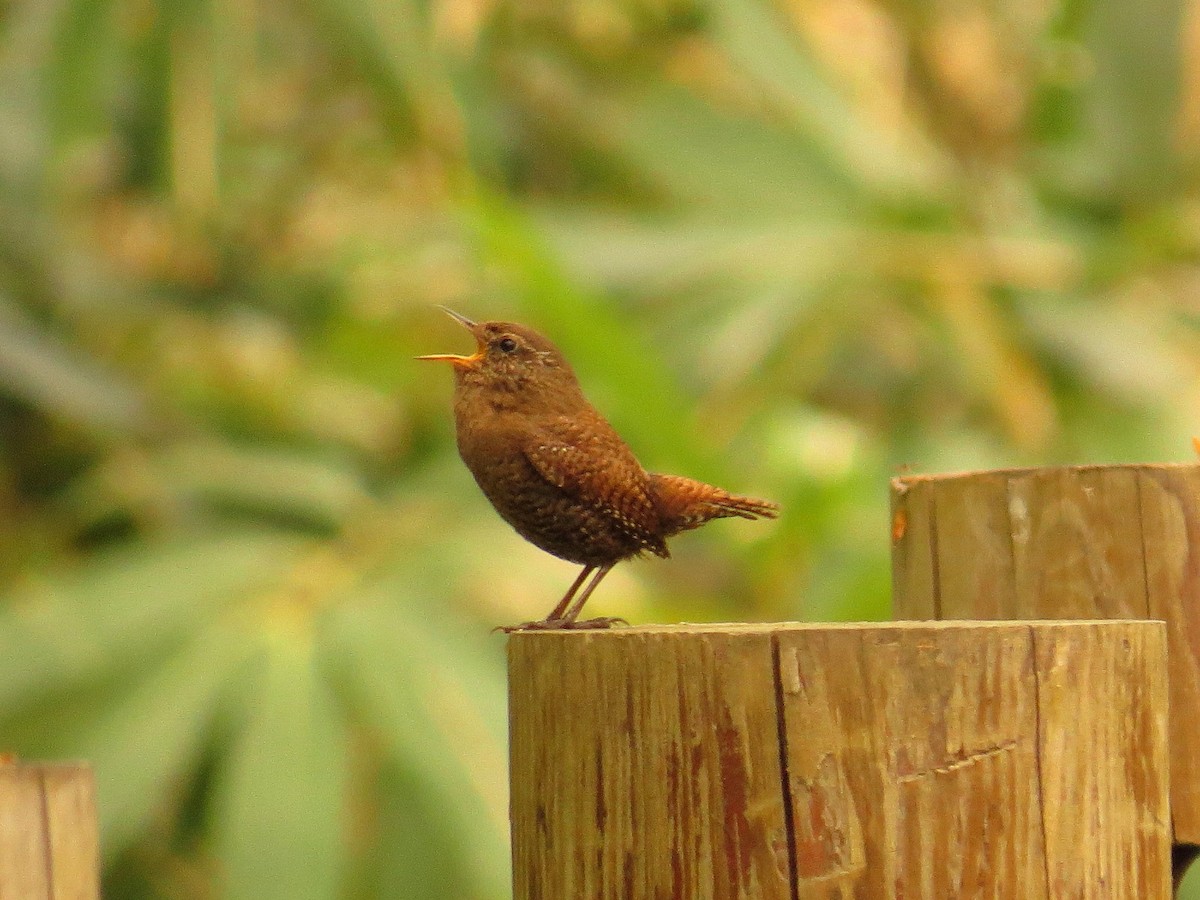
454, 358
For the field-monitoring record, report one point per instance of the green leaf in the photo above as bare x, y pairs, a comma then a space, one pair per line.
1125, 352
128, 607
741, 165
280, 831
1113, 122
862, 152
419, 852
389, 43
145, 745
272, 481
439, 708
677, 254
78, 68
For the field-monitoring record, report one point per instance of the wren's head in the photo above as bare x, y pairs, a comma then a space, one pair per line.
510, 362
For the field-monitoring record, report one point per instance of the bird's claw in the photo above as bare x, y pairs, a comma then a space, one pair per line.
563, 625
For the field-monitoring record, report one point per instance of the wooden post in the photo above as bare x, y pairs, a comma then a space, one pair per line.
49, 849
1085, 542
791, 762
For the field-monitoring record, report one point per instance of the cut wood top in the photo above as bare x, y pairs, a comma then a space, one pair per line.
716, 628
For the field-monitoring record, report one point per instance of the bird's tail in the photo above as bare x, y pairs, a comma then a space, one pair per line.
684, 503
747, 507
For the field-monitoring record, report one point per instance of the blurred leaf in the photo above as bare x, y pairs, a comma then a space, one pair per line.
146, 744
440, 714
274, 482
738, 164
281, 825
418, 844
860, 152
82, 55
1021, 398
663, 256
1132, 120
388, 42
1123, 352
200, 82
126, 609
54, 377
1189, 887
1112, 133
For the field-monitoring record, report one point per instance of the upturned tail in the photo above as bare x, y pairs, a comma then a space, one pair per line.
684, 503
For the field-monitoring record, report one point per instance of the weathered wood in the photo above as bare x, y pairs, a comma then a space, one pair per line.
915, 760
49, 847
1083, 542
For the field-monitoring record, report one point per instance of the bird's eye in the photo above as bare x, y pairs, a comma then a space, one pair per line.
507, 345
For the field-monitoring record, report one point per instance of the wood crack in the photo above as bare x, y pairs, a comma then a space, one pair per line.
785, 778
47, 841
1039, 774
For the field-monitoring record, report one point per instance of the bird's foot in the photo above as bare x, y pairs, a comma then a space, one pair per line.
563, 625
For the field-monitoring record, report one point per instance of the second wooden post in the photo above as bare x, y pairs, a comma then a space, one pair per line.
1083, 542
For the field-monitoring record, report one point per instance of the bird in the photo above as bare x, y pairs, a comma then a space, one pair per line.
558, 472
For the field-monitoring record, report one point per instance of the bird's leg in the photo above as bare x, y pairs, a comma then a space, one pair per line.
557, 612
564, 615
572, 614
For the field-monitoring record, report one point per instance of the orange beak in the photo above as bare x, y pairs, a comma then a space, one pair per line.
453, 358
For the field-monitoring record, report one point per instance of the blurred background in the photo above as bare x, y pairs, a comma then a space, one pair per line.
792, 247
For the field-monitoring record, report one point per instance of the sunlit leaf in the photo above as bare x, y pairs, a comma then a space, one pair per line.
662, 256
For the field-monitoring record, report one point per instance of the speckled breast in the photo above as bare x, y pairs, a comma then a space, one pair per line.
549, 517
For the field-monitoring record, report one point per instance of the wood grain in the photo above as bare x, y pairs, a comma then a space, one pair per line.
1080, 542
926, 760
48, 832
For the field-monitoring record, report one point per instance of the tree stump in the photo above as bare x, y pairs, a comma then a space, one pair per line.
791, 762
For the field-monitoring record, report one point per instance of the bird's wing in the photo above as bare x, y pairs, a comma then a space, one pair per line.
588, 460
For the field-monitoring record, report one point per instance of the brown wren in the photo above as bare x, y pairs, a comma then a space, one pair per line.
558, 473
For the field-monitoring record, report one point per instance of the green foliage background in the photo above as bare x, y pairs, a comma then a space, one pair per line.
793, 247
